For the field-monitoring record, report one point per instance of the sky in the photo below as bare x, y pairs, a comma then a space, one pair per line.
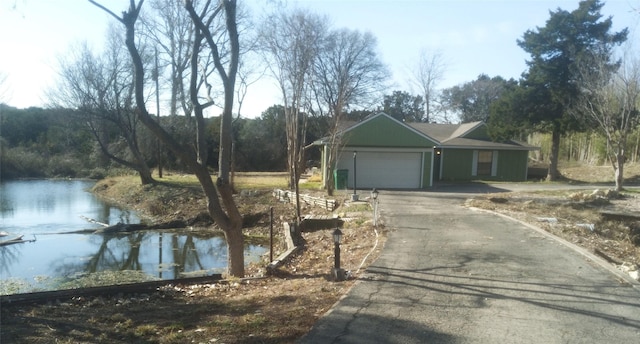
473, 37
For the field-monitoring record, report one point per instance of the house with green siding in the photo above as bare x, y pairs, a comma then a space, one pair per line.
382, 152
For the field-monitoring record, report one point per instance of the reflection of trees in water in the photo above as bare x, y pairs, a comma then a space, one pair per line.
125, 216
127, 255
104, 213
124, 252
186, 255
217, 249
132, 262
9, 255
6, 206
122, 216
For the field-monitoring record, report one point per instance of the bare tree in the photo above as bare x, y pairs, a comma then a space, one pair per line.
428, 72
170, 27
291, 42
612, 103
228, 218
347, 72
101, 89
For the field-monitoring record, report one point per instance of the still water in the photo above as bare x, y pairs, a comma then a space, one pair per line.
46, 211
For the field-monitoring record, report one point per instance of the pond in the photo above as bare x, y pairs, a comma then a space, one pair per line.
48, 212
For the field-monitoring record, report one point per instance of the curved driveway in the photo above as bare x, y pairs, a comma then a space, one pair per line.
449, 274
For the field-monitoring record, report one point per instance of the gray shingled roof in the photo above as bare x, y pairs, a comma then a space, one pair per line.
449, 135
443, 132
460, 142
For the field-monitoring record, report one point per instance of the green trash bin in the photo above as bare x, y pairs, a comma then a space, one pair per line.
340, 178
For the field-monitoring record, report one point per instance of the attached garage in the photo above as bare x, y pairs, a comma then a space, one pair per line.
383, 169
389, 155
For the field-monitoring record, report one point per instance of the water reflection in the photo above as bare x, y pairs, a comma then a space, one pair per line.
68, 260
48, 206
5, 205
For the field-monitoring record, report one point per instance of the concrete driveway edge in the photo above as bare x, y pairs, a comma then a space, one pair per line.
592, 257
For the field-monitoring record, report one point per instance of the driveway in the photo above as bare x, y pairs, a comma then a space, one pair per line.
449, 274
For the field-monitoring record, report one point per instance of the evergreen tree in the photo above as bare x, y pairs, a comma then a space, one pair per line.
551, 83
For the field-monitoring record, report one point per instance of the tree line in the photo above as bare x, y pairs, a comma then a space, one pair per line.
61, 143
49, 143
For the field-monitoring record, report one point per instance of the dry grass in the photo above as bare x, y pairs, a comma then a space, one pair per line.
598, 174
253, 180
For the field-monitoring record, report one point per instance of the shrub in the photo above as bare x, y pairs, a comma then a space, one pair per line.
21, 163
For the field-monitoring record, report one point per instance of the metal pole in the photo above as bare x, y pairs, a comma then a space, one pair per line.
355, 173
271, 236
374, 197
337, 257
157, 77
160, 256
375, 212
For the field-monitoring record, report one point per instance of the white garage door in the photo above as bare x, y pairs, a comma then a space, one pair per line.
383, 169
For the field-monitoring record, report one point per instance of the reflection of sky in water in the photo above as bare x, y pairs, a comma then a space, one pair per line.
47, 206
38, 209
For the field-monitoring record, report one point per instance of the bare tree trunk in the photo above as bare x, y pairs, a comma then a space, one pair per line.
332, 151
619, 171
143, 169
138, 164
552, 174
330, 161
618, 163
292, 125
635, 154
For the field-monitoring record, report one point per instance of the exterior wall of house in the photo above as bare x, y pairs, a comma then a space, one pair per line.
427, 170
512, 165
458, 164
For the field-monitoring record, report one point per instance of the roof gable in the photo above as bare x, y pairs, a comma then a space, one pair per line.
445, 132
382, 130
439, 132
472, 130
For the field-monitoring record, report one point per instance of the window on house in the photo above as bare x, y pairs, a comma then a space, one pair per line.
485, 161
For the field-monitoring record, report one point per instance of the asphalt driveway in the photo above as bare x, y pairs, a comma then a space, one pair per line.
449, 274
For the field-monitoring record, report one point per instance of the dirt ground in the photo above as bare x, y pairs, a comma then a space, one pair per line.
282, 308
259, 309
